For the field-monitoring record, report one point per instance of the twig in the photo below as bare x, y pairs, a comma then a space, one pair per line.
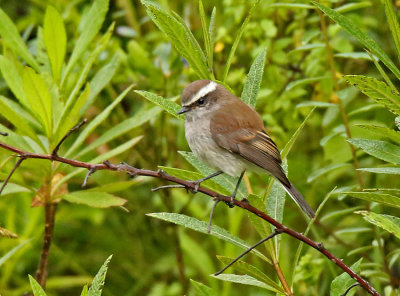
190, 186
11, 173
351, 287
75, 128
167, 186
211, 215
276, 232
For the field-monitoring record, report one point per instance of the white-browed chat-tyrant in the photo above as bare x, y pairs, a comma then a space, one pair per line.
229, 136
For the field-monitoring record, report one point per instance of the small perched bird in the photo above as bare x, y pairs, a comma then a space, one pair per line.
229, 136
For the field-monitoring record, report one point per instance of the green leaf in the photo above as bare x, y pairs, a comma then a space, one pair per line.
253, 81
97, 121
101, 79
342, 282
200, 226
383, 170
304, 81
188, 175
236, 42
36, 288
289, 144
84, 291
16, 119
168, 105
365, 40
382, 198
389, 223
55, 40
12, 188
393, 23
315, 104
70, 115
318, 173
39, 98
98, 281
115, 186
292, 5
354, 55
181, 38
90, 25
201, 289
13, 78
382, 131
353, 6
206, 36
241, 279
94, 199
380, 149
377, 90
248, 269
9, 32
123, 127
14, 250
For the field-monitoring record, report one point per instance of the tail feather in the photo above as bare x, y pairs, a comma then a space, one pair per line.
299, 200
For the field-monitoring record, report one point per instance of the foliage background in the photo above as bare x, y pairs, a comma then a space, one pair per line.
148, 253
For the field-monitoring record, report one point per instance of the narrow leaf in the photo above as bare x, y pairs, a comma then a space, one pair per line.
206, 36
318, 173
384, 170
9, 32
98, 281
36, 288
97, 121
365, 40
253, 81
377, 90
181, 38
55, 40
13, 78
380, 149
382, 131
94, 199
123, 127
200, 226
253, 271
10, 253
39, 98
13, 117
382, 198
236, 42
389, 223
304, 81
90, 24
342, 282
393, 23
241, 279
168, 105
202, 290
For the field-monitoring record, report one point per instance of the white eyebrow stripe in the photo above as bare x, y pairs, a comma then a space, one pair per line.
205, 90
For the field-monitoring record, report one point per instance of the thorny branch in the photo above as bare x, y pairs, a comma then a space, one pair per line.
123, 167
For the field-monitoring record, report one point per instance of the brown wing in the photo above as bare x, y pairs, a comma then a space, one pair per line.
239, 129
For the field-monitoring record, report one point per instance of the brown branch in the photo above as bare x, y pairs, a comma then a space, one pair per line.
75, 128
41, 273
11, 173
191, 186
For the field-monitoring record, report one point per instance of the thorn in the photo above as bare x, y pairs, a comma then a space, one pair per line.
91, 171
167, 186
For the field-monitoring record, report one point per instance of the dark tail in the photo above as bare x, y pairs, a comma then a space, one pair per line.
299, 199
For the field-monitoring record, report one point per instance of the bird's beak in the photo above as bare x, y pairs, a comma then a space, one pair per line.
183, 110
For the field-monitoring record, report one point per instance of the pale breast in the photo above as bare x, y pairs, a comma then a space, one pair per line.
198, 136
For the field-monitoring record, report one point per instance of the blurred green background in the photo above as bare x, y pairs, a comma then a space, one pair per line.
152, 257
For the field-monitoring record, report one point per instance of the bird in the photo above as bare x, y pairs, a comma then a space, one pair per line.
229, 136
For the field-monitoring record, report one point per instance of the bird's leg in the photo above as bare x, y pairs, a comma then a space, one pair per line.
236, 189
198, 182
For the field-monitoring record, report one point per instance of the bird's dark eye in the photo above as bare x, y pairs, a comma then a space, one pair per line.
201, 101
